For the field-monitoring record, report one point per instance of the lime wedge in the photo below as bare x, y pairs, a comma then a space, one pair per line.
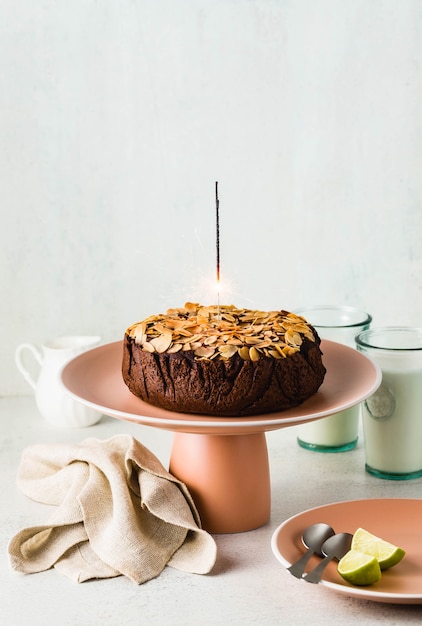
386, 553
359, 568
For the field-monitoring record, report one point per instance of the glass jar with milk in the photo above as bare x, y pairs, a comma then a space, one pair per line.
392, 416
338, 432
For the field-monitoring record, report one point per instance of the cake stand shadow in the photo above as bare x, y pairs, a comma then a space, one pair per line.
223, 461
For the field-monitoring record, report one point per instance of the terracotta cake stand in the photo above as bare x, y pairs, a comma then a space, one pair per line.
223, 461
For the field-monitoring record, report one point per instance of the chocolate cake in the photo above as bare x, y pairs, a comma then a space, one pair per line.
222, 361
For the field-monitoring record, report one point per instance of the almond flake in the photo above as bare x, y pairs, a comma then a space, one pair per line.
227, 351
204, 352
275, 354
174, 348
162, 342
208, 341
244, 353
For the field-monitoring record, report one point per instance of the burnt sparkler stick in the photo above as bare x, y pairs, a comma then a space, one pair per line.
217, 223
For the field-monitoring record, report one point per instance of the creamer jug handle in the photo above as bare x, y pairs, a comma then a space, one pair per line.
19, 361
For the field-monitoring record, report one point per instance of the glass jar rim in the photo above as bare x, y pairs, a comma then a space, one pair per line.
366, 317
367, 338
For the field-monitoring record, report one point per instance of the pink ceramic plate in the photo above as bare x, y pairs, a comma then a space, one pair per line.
95, 379
397, 520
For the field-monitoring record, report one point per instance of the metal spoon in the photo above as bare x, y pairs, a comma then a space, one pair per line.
313, 538
334, 547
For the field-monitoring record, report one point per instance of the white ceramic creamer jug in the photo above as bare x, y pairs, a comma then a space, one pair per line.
54, 404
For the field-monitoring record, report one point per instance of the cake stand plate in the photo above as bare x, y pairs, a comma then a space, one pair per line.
223, 461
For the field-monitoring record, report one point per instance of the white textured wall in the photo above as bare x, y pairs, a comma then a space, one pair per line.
116, 118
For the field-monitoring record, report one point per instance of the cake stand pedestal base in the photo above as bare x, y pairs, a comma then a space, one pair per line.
228, 477
223, 461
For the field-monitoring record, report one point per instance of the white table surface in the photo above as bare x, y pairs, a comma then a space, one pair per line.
247, 585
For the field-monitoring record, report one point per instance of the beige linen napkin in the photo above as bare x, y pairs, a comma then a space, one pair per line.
118, 512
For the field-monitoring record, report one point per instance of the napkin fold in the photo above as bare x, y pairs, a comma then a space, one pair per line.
119, 512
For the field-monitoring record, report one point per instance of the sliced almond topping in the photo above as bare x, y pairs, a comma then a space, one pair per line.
263, 344
244, 353
250, 340
234, 342
174, 348
293, 338
184, 332
275, 354
206, 352
208, 341
280, 349
162, 342
227, 351
222, 332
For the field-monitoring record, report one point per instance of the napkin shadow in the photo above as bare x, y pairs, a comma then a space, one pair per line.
222, 565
